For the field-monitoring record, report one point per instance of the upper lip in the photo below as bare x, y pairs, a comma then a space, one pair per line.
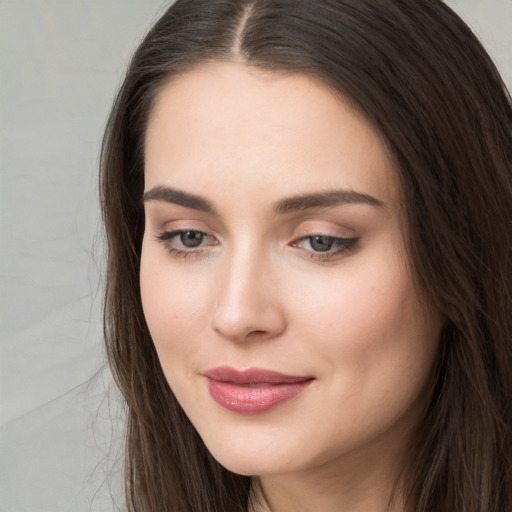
252, 376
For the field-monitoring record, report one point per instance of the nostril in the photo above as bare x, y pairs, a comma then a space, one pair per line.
242, 335
256, 334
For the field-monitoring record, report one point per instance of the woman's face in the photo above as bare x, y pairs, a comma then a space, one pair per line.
274, 275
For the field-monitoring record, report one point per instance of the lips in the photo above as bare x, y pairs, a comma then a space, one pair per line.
254, 390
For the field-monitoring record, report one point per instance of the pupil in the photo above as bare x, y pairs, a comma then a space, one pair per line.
321, 243
191, 238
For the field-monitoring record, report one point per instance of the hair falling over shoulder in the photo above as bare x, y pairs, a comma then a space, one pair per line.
423, 79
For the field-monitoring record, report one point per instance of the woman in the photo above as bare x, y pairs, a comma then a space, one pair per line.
308, 212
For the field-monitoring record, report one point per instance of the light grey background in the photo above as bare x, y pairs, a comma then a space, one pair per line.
60, 64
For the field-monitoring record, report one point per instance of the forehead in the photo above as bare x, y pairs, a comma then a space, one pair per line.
254, 130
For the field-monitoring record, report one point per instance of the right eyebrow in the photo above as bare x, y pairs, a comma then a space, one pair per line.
170, 195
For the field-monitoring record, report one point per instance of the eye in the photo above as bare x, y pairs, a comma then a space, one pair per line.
321, 243
185, 242
325, 246
191, 239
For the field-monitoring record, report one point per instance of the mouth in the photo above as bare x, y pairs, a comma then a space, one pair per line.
255, 390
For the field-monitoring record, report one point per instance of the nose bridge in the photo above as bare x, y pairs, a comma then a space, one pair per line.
248, 300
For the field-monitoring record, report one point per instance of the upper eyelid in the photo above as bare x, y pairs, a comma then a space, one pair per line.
183, 226
344, 239
169, 234
348, 239
315, 225
335, 237
324, 232
302, 230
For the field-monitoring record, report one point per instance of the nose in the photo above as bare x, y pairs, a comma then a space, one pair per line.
248, 305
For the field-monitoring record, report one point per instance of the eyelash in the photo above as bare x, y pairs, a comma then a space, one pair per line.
167, 236
346, 245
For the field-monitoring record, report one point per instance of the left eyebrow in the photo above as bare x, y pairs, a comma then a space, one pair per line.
324, 200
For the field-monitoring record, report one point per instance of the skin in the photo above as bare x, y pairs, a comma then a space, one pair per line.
256, 292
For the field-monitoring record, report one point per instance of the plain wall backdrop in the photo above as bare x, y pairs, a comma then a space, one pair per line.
61, 62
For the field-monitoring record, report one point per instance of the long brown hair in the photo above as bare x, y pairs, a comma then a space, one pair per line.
423, 79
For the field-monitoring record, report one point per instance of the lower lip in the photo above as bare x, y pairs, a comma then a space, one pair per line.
255, 398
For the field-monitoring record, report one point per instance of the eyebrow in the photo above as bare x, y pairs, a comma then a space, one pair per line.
324, 200
292, 204
179, 197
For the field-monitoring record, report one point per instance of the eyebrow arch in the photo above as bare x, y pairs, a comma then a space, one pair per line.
324, 200
179, 197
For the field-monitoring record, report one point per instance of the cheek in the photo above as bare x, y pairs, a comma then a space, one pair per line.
174, 304
372, 331
359, 305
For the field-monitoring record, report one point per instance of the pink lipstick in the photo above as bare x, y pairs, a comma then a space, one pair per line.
254, 390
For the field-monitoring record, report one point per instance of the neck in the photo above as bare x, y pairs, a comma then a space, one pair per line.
281, 496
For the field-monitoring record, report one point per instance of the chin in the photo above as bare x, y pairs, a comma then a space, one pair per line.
249, 459
251, 466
